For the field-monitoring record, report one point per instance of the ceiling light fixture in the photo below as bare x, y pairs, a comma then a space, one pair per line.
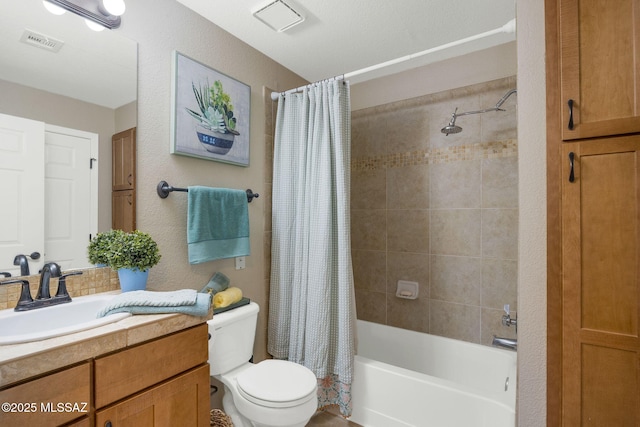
278, 15
112, 7
105, 13
94, 25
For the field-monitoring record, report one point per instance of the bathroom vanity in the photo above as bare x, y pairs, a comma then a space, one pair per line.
144, 371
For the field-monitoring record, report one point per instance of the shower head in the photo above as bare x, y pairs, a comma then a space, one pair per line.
451, 127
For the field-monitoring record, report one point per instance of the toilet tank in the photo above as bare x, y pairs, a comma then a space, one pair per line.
232, 335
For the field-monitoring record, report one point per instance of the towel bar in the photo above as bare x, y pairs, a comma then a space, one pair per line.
164, 189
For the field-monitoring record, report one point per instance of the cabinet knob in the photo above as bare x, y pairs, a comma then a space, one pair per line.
107, 424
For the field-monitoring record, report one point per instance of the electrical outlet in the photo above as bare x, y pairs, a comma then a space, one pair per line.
240, 263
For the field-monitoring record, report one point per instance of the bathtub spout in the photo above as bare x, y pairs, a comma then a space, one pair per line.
510, 343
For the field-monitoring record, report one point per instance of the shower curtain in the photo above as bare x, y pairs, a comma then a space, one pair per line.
312, 305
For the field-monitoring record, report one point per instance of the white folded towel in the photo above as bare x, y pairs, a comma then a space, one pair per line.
187, 301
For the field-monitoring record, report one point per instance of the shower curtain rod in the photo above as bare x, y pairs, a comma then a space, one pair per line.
509, 27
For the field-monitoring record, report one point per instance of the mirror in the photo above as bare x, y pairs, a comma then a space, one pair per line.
89, 84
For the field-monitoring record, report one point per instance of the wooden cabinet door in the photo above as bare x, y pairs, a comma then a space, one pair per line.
123, 210
123, 160
181, 401
600, 67
601, 295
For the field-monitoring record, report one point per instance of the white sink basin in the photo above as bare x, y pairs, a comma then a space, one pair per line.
42, 323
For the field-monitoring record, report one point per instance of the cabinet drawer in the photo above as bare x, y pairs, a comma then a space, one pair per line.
124, 373
49, 401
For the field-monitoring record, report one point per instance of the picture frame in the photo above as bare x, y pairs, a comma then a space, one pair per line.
210, 113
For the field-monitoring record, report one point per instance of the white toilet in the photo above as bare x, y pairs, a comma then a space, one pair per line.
272, 393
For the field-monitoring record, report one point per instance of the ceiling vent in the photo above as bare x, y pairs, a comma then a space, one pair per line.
34, 38
278, 15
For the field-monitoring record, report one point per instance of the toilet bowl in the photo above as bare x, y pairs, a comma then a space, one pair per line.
272, 393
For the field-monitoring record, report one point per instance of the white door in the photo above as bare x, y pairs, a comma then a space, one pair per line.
21, 191
70, 195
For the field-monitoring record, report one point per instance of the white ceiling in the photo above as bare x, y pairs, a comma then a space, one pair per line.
342, 36
336, 37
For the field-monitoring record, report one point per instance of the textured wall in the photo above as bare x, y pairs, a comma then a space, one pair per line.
532, 274
160, 27
438, 210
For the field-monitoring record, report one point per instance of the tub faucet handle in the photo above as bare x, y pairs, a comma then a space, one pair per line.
506, 318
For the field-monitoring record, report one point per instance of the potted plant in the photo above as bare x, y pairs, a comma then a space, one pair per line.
100, 246
216, 122
130, 254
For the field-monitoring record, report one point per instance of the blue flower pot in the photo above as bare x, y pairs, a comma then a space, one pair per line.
132, 280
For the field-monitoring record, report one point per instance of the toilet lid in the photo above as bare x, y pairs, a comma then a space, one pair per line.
277, 383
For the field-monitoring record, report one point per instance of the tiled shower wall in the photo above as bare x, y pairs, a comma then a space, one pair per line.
438, 210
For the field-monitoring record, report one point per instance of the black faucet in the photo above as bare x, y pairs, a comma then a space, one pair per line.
23, 262
43, 298
50, 269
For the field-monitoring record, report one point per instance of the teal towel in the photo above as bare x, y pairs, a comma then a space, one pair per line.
185, 301
217, 224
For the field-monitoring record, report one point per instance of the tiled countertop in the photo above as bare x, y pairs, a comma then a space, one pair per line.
22, 361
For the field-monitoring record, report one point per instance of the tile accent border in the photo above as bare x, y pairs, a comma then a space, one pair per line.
492, 150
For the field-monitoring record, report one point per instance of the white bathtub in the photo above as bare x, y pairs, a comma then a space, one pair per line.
405, 378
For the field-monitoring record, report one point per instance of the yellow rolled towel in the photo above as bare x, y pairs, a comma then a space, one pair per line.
227, 297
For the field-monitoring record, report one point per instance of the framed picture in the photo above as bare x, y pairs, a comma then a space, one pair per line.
210, 113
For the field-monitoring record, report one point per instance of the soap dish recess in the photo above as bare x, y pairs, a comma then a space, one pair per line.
407, 290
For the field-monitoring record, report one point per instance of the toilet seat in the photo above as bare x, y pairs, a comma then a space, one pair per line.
277, 384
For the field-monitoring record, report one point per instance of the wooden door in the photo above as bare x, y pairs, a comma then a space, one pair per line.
124, 160
181, 401
601, 295
600, 67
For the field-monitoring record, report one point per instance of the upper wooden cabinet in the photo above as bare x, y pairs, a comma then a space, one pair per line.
123, 195
124, 160
600, 67
593, 202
